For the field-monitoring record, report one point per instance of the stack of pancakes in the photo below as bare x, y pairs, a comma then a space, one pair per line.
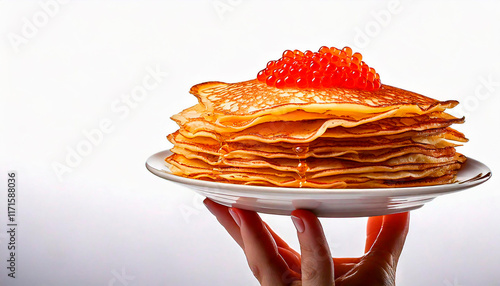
251, 133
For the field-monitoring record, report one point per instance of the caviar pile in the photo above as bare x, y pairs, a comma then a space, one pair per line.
329, 67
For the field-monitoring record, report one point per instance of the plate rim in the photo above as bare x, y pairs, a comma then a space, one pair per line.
165, 173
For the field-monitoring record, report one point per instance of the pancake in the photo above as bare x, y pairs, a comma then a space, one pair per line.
309, 130
339, 183
351, 155
232, 103
387, 158
192, 120
196, 119
321, 147
269, 132
196, 169
312, 169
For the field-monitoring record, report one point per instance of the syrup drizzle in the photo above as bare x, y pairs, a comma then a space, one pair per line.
302, 166
223, 150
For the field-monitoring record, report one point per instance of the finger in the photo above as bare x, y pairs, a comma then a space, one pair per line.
225, 219
372, 230
291, 258
261, 249
317, 262
390, 241
279, 241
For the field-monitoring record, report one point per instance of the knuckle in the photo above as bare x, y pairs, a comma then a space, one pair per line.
256, 271
306, 248
318, 252
382, 257
288, 277
322, 253
309, 273
381, 269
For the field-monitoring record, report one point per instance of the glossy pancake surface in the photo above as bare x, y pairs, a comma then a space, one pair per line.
250, 133
250, 99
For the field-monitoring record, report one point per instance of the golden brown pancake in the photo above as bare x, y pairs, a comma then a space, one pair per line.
250, 99
193, 120
250, 133
195, 169
313, 168
351, 155
338, 183
309, 130
321, 147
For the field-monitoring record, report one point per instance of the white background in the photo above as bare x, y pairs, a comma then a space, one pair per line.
107, 221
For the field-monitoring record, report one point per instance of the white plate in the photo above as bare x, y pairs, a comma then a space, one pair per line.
323, 202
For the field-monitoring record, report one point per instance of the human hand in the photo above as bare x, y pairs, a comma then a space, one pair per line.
273, 262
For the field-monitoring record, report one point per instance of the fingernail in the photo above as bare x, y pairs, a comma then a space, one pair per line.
299, 224
235, 216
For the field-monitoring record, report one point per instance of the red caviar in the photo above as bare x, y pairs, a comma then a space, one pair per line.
329, 67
